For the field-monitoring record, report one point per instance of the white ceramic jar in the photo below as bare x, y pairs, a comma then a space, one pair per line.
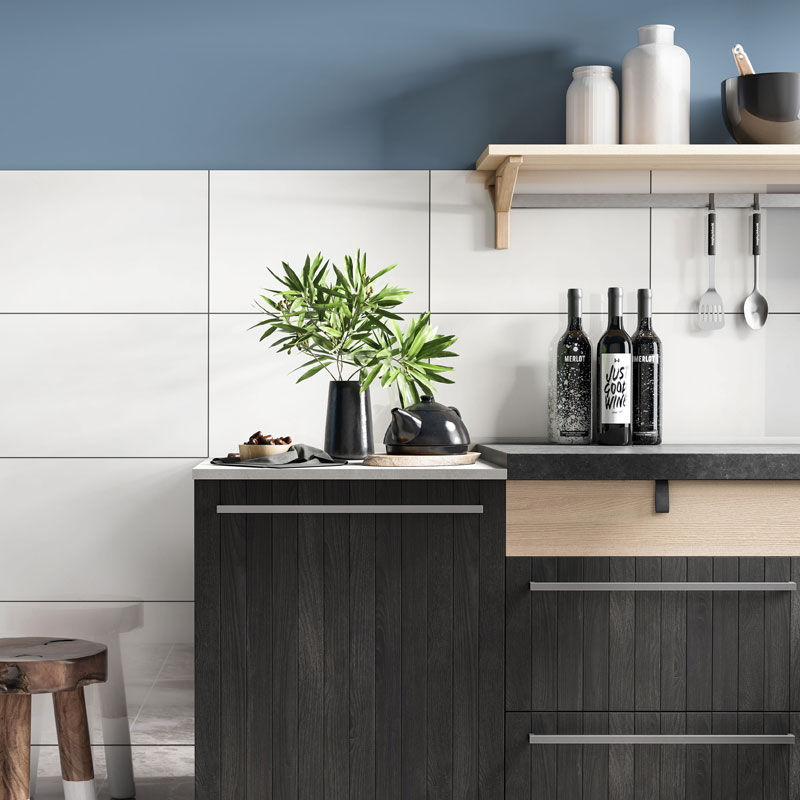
655, 89
592, 107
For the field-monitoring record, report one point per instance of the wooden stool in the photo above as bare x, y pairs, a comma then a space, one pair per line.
61, 667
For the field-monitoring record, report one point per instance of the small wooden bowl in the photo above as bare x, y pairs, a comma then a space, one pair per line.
248, 451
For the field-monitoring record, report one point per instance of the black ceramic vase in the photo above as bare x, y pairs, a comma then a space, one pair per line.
348, 427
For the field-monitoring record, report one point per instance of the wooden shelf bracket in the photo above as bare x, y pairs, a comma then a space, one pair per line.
505, 181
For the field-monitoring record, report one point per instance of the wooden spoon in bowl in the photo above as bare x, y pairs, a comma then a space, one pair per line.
742, 61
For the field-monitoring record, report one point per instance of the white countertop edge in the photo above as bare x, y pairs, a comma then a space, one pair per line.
480, 470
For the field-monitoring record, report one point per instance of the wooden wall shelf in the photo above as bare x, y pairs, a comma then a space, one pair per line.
502, 164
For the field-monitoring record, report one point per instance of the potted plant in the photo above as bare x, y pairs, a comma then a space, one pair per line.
339, 321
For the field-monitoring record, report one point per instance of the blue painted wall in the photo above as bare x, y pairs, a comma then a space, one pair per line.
316, 84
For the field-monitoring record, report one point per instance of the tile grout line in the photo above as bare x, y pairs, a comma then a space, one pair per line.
152, 685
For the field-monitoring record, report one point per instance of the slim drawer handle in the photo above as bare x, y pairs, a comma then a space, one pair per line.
644, 738
364, 509
667, 586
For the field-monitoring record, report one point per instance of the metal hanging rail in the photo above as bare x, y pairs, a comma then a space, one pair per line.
787, 200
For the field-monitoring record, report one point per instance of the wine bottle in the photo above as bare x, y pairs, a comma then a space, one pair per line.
646, 375
614, 396
571, 414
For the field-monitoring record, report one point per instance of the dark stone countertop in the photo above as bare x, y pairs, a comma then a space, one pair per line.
665, 462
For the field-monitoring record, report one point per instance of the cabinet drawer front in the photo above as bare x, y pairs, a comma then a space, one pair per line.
695, 768
618, 518
677, 651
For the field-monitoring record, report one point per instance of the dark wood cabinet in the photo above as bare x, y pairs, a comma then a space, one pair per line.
651, 662
350, 655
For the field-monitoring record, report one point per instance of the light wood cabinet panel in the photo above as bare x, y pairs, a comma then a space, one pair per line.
618, 518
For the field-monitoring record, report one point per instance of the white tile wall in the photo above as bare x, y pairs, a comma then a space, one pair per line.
551, 250
103, 385
97, 529
103, 241
259, 219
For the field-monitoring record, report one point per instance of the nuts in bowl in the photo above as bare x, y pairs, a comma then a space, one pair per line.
258, 446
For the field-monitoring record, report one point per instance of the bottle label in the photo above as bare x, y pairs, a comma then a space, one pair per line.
651, 358
615, 388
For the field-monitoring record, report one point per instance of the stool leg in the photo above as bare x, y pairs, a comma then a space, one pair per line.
116, 728
74, 746
36, 737
15, 746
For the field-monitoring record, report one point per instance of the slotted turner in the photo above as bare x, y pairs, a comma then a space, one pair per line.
711, 314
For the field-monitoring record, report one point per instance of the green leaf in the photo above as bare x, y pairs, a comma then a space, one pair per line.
313, 371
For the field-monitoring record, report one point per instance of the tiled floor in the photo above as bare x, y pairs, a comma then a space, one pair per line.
159, 681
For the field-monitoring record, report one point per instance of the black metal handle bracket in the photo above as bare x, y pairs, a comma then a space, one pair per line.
662, 497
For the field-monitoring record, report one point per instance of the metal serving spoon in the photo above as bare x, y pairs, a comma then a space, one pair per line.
756, 307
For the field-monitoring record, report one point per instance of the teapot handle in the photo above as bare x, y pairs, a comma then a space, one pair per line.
453, 408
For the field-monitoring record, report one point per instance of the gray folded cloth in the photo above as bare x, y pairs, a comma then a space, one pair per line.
301, 455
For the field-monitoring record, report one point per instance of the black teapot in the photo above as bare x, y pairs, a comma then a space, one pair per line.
426, 429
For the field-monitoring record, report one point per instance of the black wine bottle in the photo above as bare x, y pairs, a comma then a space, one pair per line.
571, 415
614, 379
647, 357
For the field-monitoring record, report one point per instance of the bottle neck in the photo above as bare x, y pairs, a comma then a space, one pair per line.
645, 323
575, 324
574, 311
615, 312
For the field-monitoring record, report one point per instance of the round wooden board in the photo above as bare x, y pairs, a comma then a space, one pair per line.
384, 460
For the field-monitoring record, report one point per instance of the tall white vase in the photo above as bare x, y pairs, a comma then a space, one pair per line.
655, 89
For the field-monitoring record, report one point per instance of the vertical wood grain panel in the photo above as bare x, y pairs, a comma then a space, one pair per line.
723, 758
648, 638
595, 637
647, 757
699, 639
491, 669
622, 637
570, 638
414, 646
794, 756
233, 601
284, 664
776, 758
520, 665
544, 758
698, 757
207, 639
544, 638
570, 756
466, 593
518, 775
673, 637
388, 714
595, 756
336, 730
311, 644
620, 756
777, 611
440, 644
672, 779
259, 643
750, 758
362, 644
725, 638
751, 638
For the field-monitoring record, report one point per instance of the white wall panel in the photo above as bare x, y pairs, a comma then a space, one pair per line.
103, 241
103, 385
97, 529
551, 249
259, 219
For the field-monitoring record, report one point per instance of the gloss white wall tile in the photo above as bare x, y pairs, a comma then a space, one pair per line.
551, 249
103, 529
103, 241
729, 385
733, 181
103, 385
259, 219
251, 389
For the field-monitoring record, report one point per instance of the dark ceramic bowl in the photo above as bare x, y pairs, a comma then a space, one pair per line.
763, 108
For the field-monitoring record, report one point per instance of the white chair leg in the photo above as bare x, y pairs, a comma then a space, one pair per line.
116, 728
79, 790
